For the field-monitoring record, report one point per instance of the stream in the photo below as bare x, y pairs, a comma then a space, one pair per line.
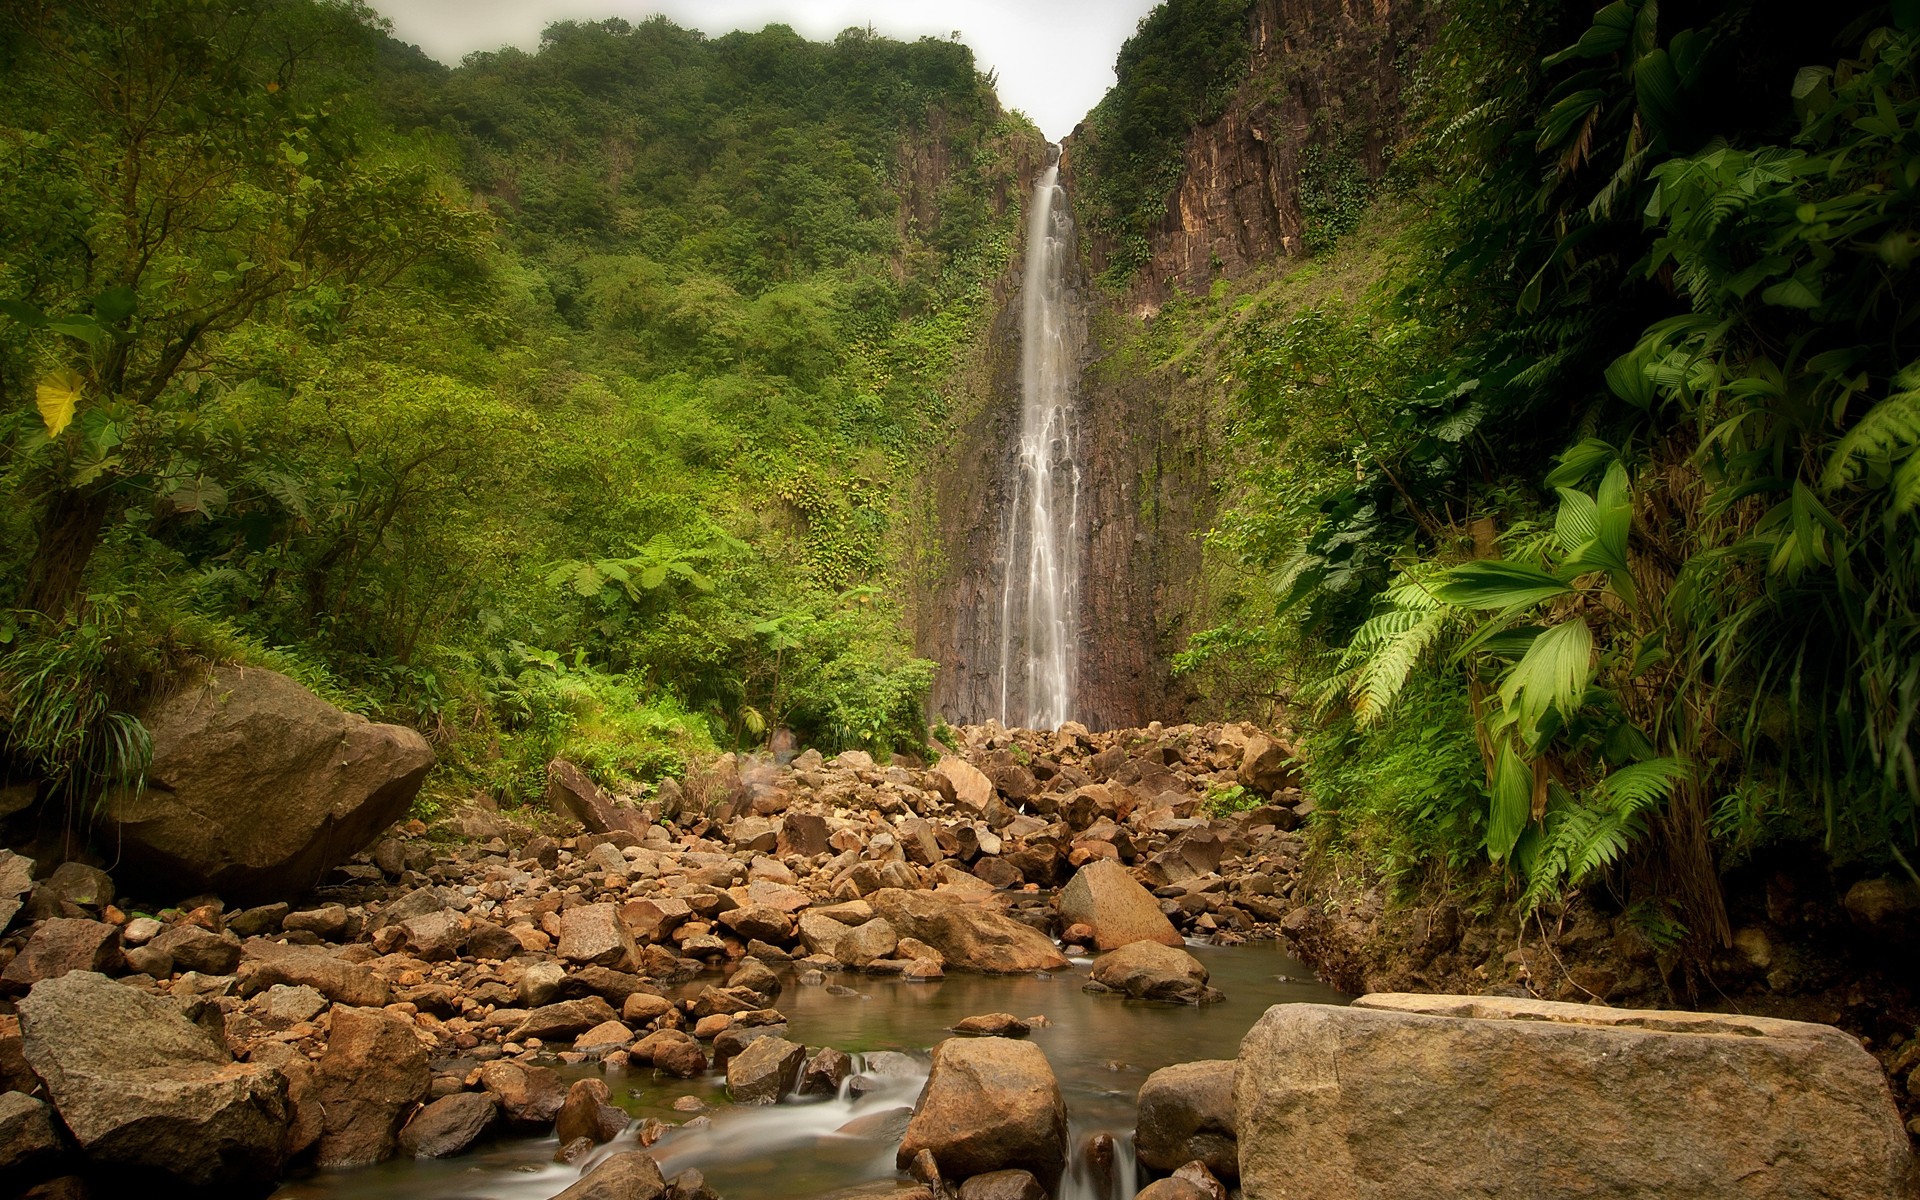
1102, 1049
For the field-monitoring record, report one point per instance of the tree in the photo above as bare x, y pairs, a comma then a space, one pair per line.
170, 170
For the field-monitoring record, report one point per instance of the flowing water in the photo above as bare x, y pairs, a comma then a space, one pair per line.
1039, 599
1102, 1048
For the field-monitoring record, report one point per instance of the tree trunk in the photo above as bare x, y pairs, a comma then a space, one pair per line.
69, 532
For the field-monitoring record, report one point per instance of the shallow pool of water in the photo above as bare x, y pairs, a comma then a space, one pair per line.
1102, 1048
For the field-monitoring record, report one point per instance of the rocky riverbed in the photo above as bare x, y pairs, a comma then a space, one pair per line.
429, 993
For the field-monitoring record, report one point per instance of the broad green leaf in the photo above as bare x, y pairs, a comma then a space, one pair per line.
84, 328
1496, 583
25, 314
1510, 803
1581, 461
653, 576
57, 397
1551, 677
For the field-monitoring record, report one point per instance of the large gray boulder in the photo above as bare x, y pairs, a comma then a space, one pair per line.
149, 1093
970, 936
258, 787
990, 1104
1487, 1097
1105, 896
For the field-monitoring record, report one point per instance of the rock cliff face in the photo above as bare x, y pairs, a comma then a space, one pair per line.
1316, 117
1315, 120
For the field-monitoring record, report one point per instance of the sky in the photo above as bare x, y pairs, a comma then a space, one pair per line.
1054, 58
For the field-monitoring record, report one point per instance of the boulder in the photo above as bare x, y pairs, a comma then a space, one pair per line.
804, 834
572, 794
594, 934
1887, 907
766, 1070
194, 949
1150, 971
145, 1091
1003, 1185
972, 790
1265, 766
373, 1072
671, 1050
567, 1019
529, 1096
1105, 897
826, 1072
589, 1112
866, 942
629, 1176
969, 936
993, 1025
990, 1104
1457, 1096
257, 787
449, 1125
267, 964
1186, 1113
64, 944
29, 1143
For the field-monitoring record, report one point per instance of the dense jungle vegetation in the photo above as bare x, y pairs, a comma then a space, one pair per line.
1587, 533
552, 404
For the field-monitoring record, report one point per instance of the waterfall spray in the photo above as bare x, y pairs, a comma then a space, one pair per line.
1039, 600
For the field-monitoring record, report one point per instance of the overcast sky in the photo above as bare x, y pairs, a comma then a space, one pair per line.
1054, 57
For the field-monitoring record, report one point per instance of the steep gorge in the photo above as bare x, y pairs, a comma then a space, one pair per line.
1283, 170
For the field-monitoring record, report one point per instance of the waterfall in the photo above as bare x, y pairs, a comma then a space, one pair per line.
1039, 599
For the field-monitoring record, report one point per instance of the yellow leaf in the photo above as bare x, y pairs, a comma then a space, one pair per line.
57, 396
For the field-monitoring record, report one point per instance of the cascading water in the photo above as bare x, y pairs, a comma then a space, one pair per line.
1039, 599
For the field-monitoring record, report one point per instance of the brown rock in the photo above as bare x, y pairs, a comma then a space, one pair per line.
529, 1096
1104, 896
145, 1090
373, 1072
29, 1144
572, 794
804, 834
1379, 1100
194, 949
449, 1125
968, 936
257, 787
826, 1072
594, 934
1186, 1114
990, 1104
64, 944
564, 1020
1150, 971
766, 1070
864, 943
588, 1112
762, 921
1003, 1185
993, 1025
671, 1050
972, 790
629, 1176
1172, 1189
1264, 766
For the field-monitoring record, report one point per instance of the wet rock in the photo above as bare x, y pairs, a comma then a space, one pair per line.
572, 794
449, 1125
826, 1072
1105, 897
968, 936
594, 934
1186, 1114
1003, 1185
1150, 971
194, 949
1379, 1099
373, 1072
629, 1176
671, 1050
643, 1008
990, 1104
64, 944
588, 1112
29, 1143
755, 976
257, 787
993, 1025
143, 1089
1173, 1189
765, 1071
529, 1096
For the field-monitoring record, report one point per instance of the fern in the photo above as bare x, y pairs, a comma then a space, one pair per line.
1891, 429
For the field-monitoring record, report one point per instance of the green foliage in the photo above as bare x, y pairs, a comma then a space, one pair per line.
64, 691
